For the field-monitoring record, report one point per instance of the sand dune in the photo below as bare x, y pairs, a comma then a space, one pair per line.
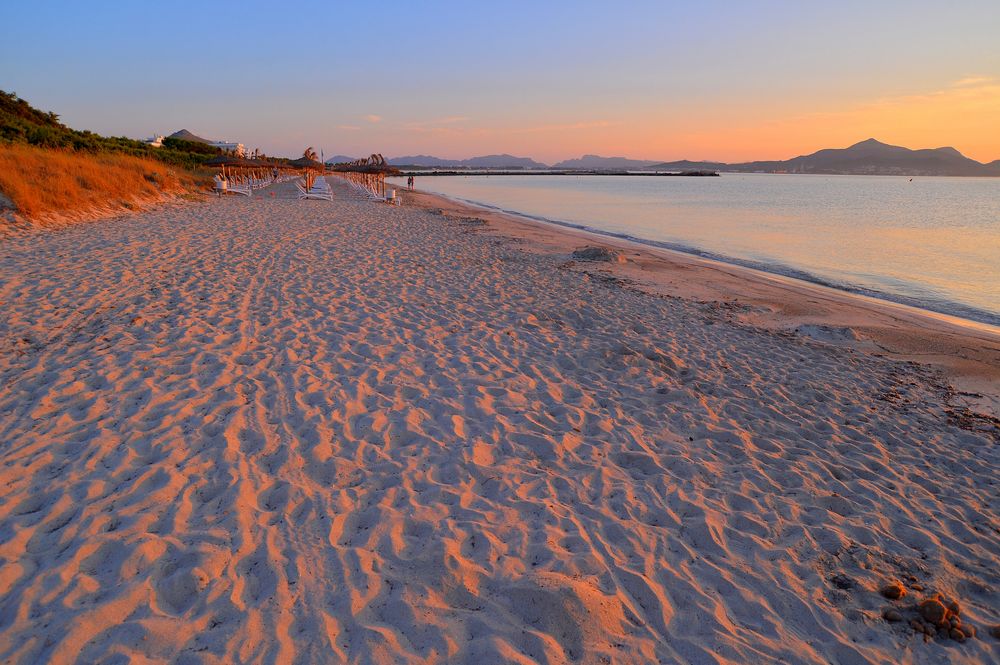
278, 431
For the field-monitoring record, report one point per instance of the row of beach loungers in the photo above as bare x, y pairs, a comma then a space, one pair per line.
371, 187
312, 185
245, 183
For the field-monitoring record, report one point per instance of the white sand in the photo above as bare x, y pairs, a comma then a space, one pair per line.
278, 431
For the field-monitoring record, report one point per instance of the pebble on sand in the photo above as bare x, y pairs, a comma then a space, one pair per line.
892, 614
893, 591
933, 611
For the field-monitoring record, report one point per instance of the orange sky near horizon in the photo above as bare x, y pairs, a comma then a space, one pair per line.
963, 115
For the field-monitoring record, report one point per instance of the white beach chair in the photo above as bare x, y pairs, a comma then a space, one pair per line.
243, 188
315, 193
366, 192
225, 185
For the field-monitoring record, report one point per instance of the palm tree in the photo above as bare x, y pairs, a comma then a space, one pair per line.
310, 154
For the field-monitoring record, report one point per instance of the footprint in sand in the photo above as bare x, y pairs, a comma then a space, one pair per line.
179, 583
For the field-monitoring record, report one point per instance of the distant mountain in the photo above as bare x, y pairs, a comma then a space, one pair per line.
185, 135
422, 160
688, 165
340, 159
869, 157
872, 157
485, 162
502, 162
595, 162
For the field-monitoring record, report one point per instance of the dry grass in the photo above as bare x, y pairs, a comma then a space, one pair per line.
47, 183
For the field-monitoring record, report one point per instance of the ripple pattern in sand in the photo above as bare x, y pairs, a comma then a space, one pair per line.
270, 431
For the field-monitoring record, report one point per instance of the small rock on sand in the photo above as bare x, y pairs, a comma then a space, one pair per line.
598, 254
890, 614
933, 611
893, 591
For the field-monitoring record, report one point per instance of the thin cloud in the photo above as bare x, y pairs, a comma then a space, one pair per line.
969, 89
455, 126
973, 81
446, 130
373, 118
596, 124
437, 125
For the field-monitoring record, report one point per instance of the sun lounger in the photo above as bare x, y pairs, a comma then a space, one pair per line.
243, 188
316, 192
232, 186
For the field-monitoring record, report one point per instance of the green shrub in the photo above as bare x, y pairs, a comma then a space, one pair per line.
22, 123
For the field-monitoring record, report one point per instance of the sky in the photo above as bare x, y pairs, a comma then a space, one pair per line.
726, 81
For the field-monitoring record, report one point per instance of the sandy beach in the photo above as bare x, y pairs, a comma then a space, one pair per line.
270, 430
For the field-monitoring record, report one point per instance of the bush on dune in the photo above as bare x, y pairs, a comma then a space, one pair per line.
41, 181
47, 167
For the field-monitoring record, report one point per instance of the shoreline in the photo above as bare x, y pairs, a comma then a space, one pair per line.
776, 270
965, 351
961, 314
691, 173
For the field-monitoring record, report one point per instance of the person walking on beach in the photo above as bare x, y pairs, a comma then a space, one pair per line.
409, 183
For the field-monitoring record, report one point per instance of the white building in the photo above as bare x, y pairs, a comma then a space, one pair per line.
154, 141
235, 148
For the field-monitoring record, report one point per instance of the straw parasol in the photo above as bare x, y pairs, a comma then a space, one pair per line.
305, 163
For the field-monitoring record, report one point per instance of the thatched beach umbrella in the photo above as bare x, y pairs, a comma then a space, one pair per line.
305, 163
228, 160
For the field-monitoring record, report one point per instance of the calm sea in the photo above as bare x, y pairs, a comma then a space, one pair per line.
930, 242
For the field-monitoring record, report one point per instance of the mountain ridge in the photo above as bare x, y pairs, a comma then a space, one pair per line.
482, 162
868, 157
596, 162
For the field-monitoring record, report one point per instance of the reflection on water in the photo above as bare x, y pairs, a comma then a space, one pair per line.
932, 242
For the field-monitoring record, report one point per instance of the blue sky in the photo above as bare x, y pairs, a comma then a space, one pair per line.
724, 80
